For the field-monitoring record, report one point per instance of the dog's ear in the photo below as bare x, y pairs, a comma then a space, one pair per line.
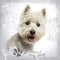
43, 12
27, 9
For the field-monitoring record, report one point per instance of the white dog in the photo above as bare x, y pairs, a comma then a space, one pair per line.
31, 29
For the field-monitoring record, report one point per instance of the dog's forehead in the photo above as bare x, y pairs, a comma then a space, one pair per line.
36, 16
33, 17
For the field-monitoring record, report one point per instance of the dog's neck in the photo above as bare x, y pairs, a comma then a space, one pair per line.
25, 45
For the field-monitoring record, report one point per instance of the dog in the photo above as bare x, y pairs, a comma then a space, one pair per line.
30, 30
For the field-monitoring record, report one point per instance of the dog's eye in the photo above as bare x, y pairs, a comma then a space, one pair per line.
38, 24
27, 23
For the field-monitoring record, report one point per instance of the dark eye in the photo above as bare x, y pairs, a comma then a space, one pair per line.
27, 23
38, 24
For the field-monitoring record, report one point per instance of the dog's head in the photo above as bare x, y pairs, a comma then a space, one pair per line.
32, 25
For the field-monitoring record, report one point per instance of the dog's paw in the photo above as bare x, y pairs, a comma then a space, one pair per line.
16, 51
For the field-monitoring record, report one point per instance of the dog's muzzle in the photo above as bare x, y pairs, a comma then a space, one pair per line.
31, 36
32, 32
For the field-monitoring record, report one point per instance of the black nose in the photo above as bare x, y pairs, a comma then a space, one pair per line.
32, 32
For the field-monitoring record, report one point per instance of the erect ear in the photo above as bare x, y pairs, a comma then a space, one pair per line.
43, 12
27, 9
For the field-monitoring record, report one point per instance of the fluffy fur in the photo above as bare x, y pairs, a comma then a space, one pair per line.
31, 29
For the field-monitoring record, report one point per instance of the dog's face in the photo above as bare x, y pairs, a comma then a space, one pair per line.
32, 25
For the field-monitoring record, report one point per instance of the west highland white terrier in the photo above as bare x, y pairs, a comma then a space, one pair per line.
31, 29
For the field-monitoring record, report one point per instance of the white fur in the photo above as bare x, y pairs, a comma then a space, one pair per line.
24, 30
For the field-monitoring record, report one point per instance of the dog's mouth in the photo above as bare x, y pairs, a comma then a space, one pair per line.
30, 38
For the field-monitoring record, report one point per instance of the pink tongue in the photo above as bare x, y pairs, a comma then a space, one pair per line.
31, 37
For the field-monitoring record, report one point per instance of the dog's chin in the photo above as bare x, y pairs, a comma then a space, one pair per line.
31, 38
